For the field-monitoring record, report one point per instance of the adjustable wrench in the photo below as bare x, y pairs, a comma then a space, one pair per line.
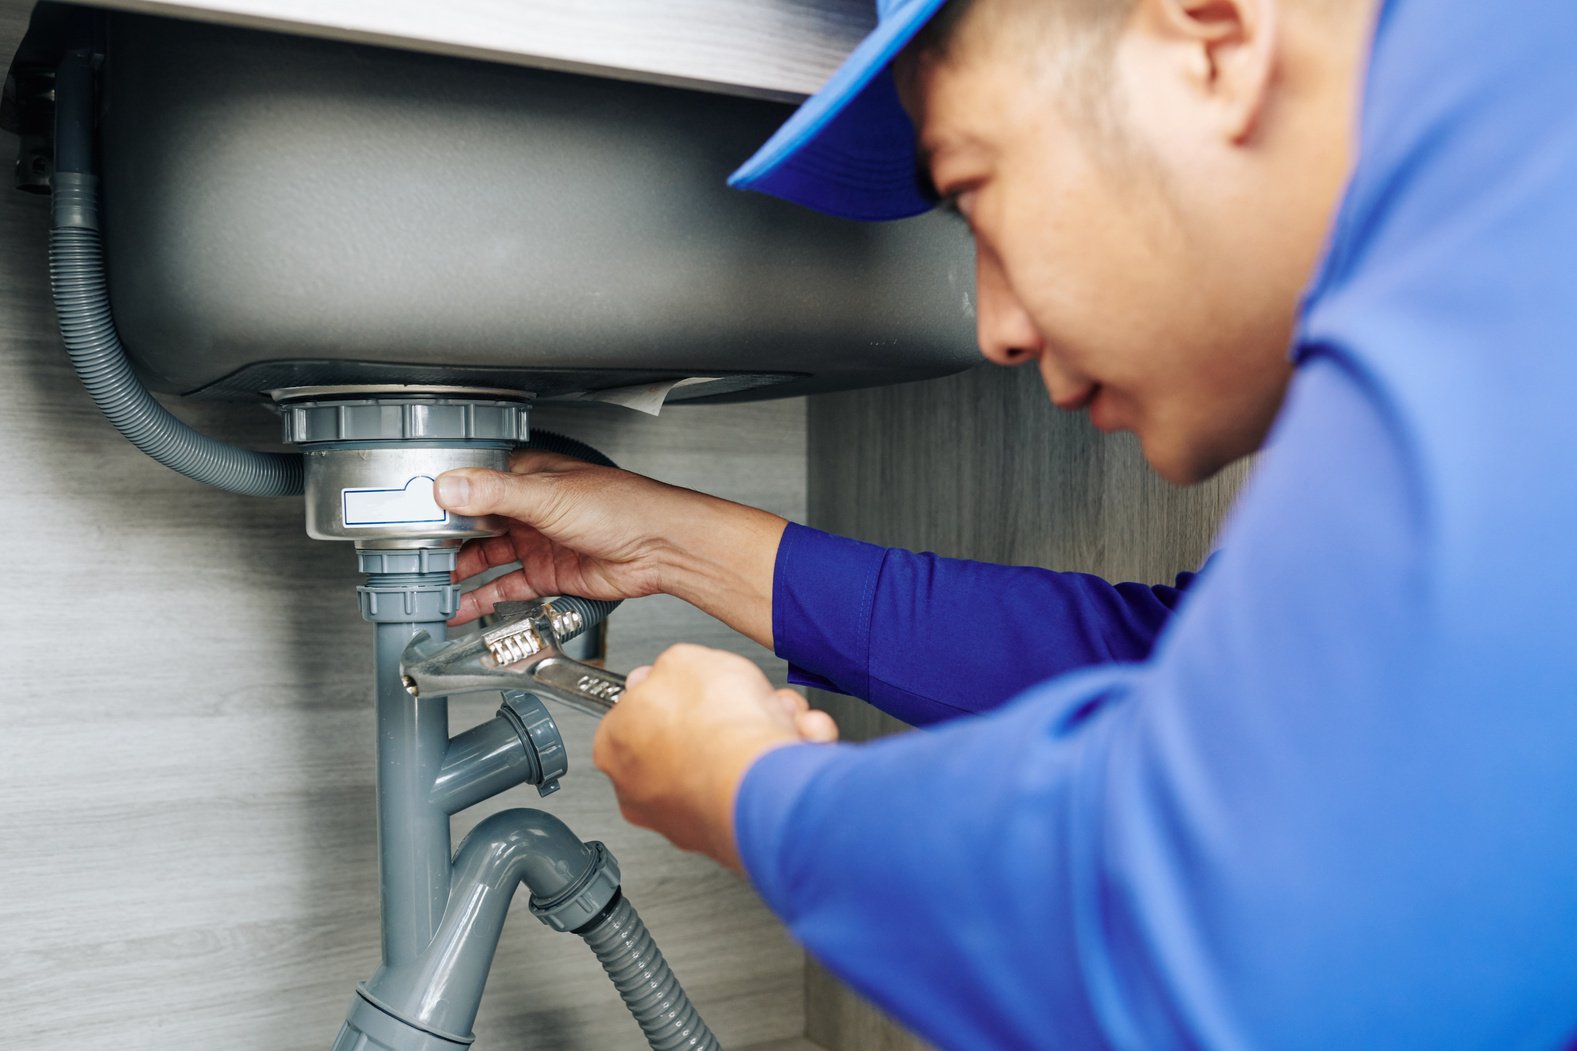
521, 652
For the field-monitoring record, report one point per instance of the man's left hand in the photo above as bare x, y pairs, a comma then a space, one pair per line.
680, 740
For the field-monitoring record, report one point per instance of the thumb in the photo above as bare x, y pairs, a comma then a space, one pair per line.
479, 491
816, 726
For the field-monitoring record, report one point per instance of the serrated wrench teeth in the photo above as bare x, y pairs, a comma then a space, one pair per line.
522, 653
512, 643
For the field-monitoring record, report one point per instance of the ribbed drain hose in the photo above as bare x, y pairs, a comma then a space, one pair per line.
553, 442
76, 272
82, 306
645, 981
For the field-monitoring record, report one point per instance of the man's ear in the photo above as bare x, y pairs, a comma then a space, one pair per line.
1228, 51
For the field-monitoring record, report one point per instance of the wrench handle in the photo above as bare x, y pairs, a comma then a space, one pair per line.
581, 686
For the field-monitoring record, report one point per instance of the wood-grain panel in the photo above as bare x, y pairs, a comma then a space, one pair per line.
981, 466
186, 743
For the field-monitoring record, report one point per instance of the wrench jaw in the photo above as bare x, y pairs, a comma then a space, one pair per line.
430, 668
522, 652
524, 630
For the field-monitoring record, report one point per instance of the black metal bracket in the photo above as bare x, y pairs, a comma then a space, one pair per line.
27, 105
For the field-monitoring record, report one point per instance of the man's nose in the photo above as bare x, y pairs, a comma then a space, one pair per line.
1006, 333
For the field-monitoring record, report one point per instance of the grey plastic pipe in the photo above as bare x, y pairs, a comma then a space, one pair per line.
441, 924
646, 983
82, 306
413, 834
487, 759
440, 989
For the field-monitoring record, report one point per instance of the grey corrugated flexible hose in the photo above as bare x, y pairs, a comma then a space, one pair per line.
646, 983
82, 306
593, 611
76, 270
553, 442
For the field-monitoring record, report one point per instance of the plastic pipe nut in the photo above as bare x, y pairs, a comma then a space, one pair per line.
540, 734
586, 902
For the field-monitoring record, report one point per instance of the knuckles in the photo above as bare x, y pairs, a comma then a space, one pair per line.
793, 700
679, 654
486, 490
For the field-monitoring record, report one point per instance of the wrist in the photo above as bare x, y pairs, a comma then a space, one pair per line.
720, 556
734, 764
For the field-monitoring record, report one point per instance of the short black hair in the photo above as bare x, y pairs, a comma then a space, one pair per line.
936, 36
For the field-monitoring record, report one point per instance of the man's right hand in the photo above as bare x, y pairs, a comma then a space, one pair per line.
602, 533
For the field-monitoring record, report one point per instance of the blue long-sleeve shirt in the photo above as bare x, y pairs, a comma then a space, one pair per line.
927, 638
1334, 805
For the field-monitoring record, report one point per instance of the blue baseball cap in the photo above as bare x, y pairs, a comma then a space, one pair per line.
849, 150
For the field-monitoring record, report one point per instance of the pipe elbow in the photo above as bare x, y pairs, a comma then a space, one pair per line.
571, 883
525, 846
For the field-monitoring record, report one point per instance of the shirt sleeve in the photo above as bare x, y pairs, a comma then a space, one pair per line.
927, 638
1250, 840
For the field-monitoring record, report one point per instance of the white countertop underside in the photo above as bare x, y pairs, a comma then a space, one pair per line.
782, 49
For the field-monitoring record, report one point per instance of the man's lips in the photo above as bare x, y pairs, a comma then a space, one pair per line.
1078, 399
1090, 397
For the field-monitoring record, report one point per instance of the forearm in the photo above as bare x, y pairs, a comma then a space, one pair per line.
719, 557
927, 638
600, 532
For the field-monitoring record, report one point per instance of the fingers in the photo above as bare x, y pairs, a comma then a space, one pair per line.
811, 725
791, 701
693, 670
479, 491
482, 554
518, 493
694, 659
791, 704
816, 727
512, 587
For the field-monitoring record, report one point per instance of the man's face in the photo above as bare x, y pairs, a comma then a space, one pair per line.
1151, 267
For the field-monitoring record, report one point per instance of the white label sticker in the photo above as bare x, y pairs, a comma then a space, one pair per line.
645, 397
410, 505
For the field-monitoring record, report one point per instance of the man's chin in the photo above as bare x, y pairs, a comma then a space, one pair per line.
1181, 465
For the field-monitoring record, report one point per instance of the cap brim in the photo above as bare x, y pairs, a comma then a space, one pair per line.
849, 150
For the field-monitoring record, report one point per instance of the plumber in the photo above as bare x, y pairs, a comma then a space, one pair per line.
1323, 795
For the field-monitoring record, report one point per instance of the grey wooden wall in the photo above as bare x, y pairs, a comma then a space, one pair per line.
187, 841
980, 465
